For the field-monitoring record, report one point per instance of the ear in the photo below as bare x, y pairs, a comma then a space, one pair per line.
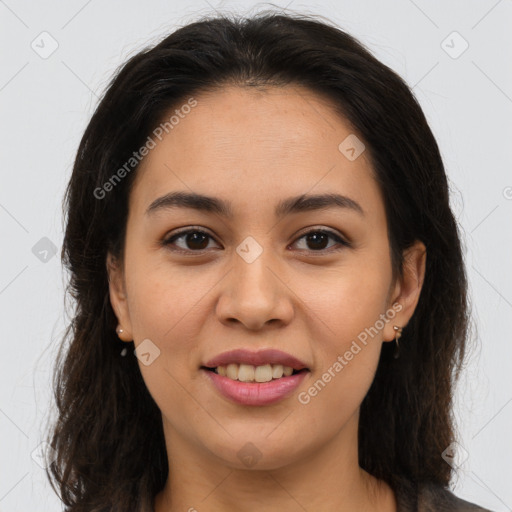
118, 298
408, 288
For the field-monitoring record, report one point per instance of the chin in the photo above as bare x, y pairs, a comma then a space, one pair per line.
257, 452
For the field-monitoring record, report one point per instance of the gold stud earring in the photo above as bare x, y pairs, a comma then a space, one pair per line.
398, 331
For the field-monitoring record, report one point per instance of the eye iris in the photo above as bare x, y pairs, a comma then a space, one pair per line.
316, 238
196, 237
198, 240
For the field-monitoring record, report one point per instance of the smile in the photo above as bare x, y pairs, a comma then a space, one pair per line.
252, 392
251, 373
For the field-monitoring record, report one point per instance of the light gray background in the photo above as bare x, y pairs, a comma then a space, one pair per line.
47, 102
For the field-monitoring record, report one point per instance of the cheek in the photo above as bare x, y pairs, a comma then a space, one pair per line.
348, 306
161, 300
347, 355
162, 297
349, 299
163, 306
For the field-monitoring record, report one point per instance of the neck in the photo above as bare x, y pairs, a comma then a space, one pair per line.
328, 478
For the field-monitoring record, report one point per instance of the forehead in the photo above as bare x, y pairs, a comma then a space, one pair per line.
254, 146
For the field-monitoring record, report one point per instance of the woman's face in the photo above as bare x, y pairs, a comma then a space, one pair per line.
255, 280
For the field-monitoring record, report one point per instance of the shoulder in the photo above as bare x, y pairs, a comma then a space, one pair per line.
436, 498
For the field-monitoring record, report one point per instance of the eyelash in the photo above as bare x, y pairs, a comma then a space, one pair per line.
170, 240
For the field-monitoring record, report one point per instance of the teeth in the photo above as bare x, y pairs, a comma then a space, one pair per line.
263, 373
250, 373
232, 371
277, 371
246, 373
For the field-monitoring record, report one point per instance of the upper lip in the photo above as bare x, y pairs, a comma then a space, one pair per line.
259, 358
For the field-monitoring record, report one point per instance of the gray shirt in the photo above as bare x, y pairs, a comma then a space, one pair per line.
433, 498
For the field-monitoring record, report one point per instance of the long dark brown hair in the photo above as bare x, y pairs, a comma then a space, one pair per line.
108, 436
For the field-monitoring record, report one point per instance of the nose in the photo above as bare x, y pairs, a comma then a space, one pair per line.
254, 293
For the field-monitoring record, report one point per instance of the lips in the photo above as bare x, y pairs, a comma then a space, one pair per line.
255, 378
255, 394
260, 358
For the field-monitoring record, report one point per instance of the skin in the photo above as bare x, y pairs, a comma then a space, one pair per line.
255, 147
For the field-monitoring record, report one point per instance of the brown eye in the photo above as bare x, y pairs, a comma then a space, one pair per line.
196, 240
317, 239
193, 240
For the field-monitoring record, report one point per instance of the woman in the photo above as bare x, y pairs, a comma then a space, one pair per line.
271, 299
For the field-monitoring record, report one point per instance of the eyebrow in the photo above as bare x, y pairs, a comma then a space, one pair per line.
297, 204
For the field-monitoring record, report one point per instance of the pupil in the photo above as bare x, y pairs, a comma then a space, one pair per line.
200, 240
194, 238
315, 238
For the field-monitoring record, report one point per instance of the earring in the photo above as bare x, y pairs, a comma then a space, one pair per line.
398, 331
120, 331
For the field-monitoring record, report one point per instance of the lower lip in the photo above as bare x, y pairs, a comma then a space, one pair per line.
256, 393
